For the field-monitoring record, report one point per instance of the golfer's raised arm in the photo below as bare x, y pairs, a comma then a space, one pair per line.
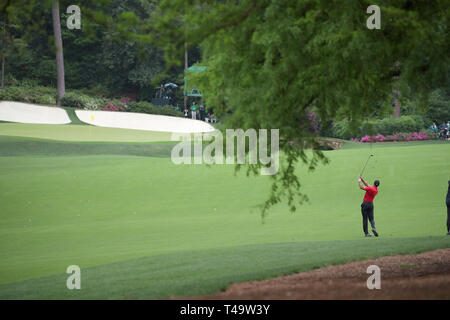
360, 185
365, 183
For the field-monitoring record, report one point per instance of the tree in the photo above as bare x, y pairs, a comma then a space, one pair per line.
9, 24
270, 61
61, 87
103, 56
4, 49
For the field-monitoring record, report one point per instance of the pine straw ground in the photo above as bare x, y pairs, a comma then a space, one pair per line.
421, 276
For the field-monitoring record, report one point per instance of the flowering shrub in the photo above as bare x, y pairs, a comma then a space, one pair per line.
115, 106
377, 138
313, 122
401, 136
125, 100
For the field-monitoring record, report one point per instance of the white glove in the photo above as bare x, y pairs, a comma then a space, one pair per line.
359, 179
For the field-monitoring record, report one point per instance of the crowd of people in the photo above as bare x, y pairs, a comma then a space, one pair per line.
443, 130
201, 115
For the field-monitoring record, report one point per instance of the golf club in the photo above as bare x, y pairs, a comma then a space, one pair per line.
365, 165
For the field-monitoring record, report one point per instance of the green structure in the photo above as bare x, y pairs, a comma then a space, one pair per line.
189, 90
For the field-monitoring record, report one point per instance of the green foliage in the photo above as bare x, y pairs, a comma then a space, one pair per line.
268, 61
100, 55
439, 107
386, 126
36, 94
146, 107
341, 129
78, 100
392, 125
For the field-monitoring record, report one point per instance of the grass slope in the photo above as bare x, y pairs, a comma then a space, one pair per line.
194, 273
21, 146
76, 132
157, 223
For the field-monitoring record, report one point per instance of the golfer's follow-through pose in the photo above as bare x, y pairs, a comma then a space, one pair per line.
367, 205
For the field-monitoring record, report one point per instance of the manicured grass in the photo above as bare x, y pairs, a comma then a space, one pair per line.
195, 273
74, 132
26, 147
73, 117
143, 227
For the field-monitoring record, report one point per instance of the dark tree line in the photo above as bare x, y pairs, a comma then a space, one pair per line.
103, 57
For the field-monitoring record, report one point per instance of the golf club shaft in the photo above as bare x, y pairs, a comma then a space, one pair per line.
365, 166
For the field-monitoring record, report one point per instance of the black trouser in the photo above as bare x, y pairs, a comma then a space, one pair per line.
448, 216
367, 214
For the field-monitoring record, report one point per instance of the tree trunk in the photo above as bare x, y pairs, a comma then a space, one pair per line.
59, 52
5, 44
3, 71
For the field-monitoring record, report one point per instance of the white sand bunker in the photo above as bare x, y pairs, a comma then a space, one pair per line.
143, 121
31, 113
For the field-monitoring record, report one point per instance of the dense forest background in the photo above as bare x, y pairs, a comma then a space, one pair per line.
98, 58
117, 54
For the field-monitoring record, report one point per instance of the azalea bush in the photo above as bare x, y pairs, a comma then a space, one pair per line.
401, 136
115, 105
377, 138
386, 126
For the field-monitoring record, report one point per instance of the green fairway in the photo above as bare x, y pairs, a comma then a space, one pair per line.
141, 227
76, 132
203, 272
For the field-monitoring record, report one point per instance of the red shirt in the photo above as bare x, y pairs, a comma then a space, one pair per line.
371, 192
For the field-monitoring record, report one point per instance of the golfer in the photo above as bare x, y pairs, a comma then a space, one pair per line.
447, 202
367, 205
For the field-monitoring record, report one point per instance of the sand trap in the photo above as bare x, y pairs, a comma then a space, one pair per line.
31, 113
142, 121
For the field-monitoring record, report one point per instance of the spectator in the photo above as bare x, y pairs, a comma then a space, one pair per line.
434, 127
445, 132
202, 112
161, 92
194, 110
186, 112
